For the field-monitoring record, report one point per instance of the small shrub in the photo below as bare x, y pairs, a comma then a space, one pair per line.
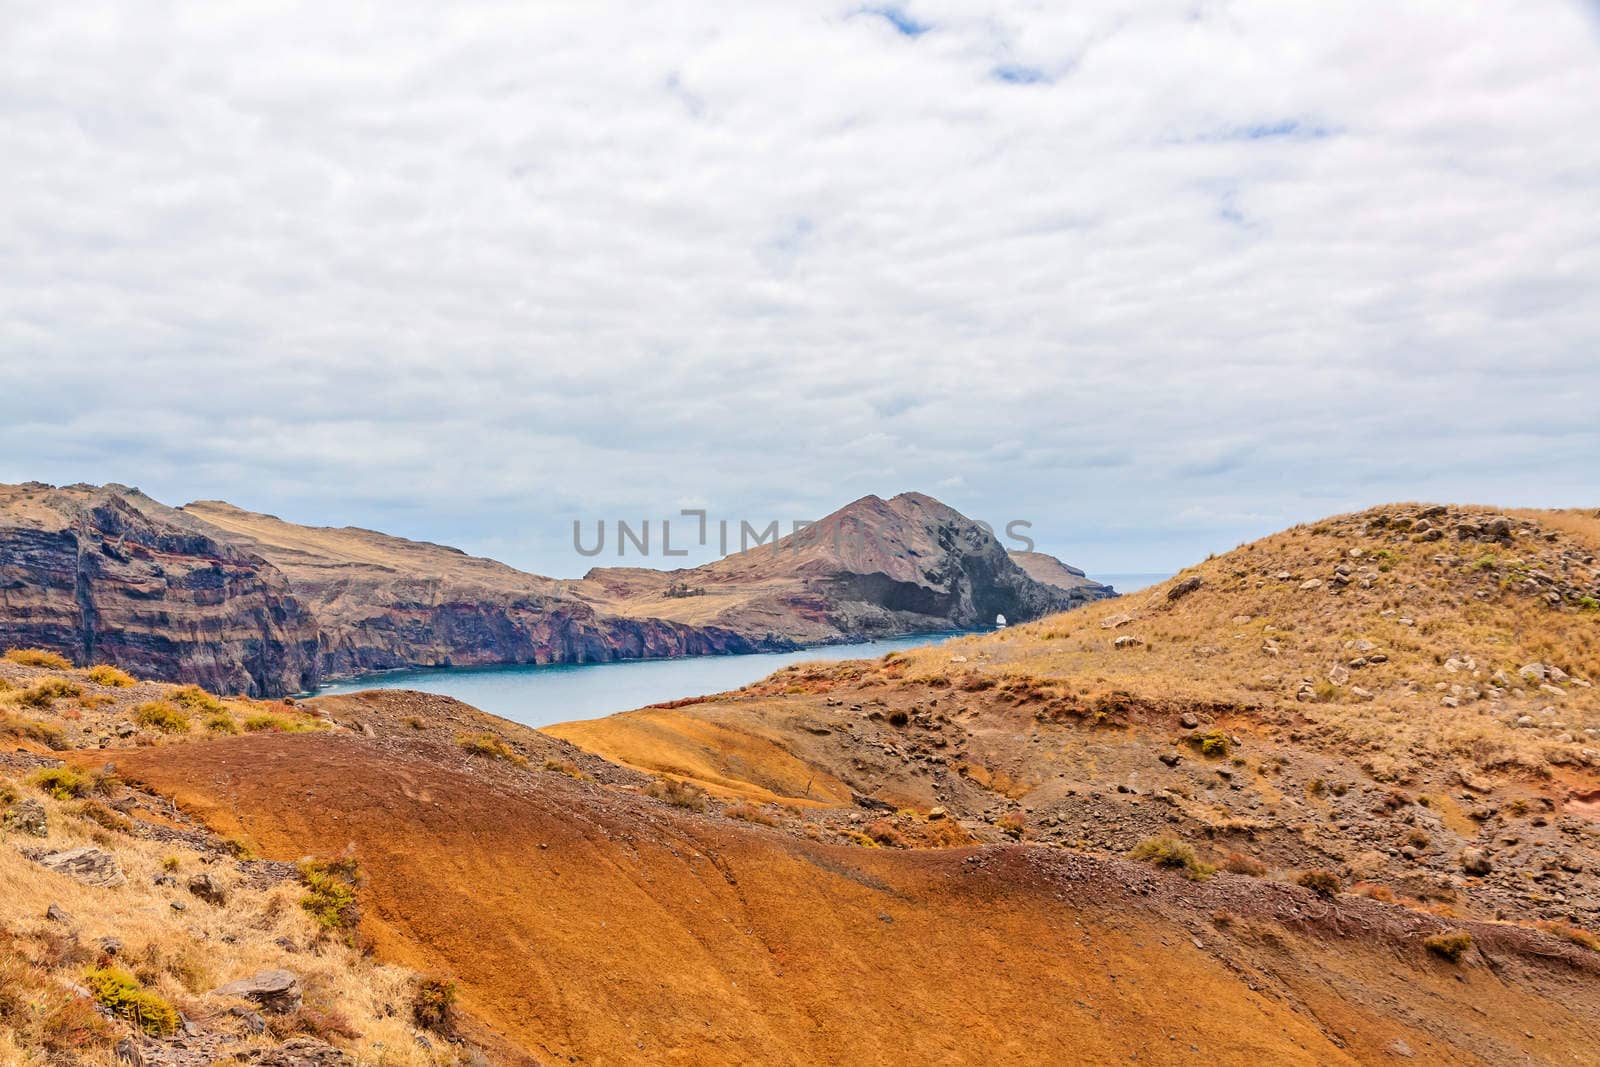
1011, 824
433, 1004
1213, 743
1173, 854
97, 812
567, 768
160, 715
899, 717
1574, 934
63, 783
749, 813
222, 724
325, 1025
45, 733
39, 657
678, 793
107, 675
1322, 883
415, 723
1372, 891
330, 894
488, 745
46, 693
1239, 863
193, 698
1451, 946
267, 722
883, 832
120, 993
169, 863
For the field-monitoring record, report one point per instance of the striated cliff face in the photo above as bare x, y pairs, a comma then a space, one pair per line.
243, 602
383, 602
105, 574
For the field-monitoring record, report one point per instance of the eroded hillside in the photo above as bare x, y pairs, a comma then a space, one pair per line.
1401, 697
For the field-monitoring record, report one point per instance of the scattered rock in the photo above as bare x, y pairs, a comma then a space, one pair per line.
1171, 759
1112, 622
1127, 641
91, 866
1399, 1048
207, 888
253, 1021
1476, 861
1339, 675
1311, 583
1185, 587
56, 915
27, 816
276, 991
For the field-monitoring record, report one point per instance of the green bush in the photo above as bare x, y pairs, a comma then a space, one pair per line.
330, 894
120, 993
267, 722
1173, 854
433, 1002
1451, 946
38, 657
162, 716
46, 693
193, 698
1213, 743
63, 783
107, 675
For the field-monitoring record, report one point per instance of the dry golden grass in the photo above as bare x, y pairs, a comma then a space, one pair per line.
1250, 639
183, 955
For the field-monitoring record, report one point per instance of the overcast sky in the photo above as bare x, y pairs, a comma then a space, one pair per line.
1157, 277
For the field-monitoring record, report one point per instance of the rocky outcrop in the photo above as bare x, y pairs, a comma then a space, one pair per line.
243, 602
105, 574
91, 866
275, 991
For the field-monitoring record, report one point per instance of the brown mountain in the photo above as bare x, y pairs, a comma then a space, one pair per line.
247, 602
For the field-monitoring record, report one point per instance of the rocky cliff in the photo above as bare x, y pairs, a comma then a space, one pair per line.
246, 602
105, 574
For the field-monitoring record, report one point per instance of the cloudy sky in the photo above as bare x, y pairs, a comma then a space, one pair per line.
1155, 277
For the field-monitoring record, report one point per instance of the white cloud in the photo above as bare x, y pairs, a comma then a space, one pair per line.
470, 273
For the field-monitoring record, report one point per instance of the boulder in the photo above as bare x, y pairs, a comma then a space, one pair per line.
1185, 587
208, 889
56, 915
27, 816
1476, 861
277, 991
1127, 641
91, 866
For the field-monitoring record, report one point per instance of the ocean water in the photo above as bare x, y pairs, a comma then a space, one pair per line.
540, 696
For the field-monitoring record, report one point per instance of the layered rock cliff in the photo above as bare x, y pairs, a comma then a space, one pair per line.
244, 602
105, 574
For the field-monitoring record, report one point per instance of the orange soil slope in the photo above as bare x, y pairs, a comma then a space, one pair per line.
587, 924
